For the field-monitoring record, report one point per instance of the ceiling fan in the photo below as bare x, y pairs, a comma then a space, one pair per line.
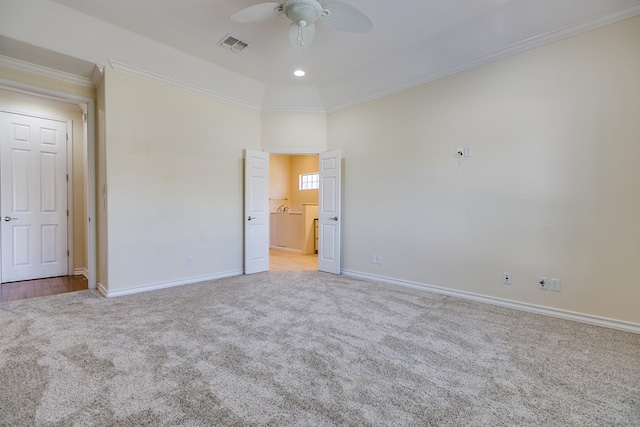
303, 15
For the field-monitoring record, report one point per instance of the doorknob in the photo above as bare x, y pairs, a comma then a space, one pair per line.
335, 218
8, 218
249, 218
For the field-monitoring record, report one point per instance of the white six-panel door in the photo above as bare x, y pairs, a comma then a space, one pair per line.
256, 216
33, 200
329, 219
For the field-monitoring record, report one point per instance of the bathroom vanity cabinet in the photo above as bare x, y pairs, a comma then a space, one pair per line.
293, 231
285, 230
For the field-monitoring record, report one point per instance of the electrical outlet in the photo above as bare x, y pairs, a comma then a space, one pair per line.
189, 261
459, 152
373, 259
467, 151
506, 278
555, 285
542, 283
379, 260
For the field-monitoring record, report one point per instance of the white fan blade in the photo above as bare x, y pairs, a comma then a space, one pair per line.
301, 37
258, 12
344, 17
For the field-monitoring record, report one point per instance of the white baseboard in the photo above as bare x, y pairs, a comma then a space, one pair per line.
162, 285
532, 308
81, 272
102, 289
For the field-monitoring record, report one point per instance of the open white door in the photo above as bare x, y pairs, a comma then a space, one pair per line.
33, 197
329, 212
256, 215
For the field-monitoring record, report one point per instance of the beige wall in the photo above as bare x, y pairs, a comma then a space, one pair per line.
19, 103
39, 80
551, 189
174, 183
293, 133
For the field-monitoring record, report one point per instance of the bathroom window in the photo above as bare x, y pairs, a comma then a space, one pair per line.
309, 181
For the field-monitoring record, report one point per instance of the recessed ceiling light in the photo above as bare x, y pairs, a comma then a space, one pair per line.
299, 73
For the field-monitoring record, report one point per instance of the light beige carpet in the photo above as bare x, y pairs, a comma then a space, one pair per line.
306, 348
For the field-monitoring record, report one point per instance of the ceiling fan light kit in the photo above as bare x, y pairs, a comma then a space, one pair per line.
304, 14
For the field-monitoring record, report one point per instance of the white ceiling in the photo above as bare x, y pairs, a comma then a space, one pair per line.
412, 41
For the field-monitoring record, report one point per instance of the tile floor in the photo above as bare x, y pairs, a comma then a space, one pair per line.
289, 261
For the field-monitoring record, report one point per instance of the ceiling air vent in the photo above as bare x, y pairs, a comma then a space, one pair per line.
232, 43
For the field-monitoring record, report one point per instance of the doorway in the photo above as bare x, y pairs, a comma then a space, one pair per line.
78, 254
293, 212
257, 213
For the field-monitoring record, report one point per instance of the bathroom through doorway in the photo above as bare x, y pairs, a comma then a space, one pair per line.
293, 212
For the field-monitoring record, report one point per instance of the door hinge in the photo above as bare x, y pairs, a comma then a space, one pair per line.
67, 252
67, 177
67, 212
67, 137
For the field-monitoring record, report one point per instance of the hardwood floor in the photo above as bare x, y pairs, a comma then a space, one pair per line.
41, 287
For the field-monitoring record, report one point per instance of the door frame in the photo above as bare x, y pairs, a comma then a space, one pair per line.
70, 245
87, 105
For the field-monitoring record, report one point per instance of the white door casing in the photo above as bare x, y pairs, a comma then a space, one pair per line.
256, 216
329, 212
33, 171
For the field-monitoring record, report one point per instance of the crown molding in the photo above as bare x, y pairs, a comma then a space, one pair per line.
97, 74
608, 18
301, 110
45, 71
157, 78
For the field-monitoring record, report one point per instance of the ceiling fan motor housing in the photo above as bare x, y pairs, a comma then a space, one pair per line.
302, 12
